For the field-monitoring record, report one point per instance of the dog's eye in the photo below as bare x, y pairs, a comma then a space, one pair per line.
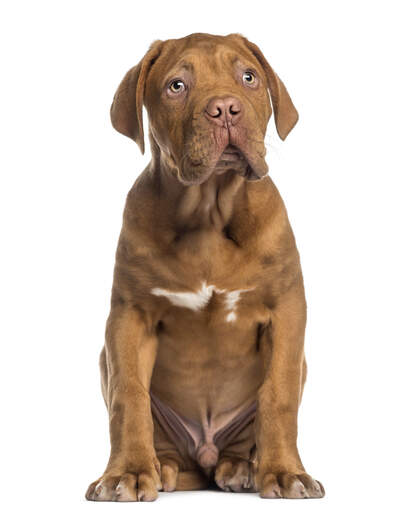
248, 77
176, 86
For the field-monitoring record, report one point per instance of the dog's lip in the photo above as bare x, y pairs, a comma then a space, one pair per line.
248, 167
231, 149
231, 154
245, 165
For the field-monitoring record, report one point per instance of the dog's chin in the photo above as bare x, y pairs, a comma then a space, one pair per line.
249, 166
195, 174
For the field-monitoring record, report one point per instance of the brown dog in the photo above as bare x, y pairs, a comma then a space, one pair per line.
203, 366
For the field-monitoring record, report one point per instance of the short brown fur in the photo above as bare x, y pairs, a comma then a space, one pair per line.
202, 218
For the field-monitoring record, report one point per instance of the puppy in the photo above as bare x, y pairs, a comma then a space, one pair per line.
203, 366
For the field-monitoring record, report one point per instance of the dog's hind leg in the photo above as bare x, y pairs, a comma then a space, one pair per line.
235, 470
235, 475
178, 471
175, 480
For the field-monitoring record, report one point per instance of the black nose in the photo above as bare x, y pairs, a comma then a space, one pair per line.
224, 111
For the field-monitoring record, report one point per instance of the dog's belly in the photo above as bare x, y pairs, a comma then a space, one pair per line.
207, 372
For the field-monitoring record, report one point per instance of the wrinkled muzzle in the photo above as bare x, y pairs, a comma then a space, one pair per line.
227, 136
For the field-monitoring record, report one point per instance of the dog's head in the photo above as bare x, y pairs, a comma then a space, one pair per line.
208, 102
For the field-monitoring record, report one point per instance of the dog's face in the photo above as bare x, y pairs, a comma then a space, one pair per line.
208, 103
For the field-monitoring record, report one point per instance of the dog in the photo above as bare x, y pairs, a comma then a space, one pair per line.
203, 366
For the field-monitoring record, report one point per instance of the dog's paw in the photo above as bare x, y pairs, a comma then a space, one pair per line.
169, 474
235, 475
142, 486
289, 485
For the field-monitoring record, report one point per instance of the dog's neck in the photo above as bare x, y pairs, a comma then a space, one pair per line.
208, 205
205, 206
211, 203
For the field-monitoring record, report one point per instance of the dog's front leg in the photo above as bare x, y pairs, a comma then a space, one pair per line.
280, 470
133, 469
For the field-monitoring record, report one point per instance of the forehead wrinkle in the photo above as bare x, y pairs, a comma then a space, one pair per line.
229, 59
224, 57
178, 67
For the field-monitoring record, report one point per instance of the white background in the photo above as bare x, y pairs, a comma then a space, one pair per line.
349, 174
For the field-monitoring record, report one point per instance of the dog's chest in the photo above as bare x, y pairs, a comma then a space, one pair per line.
226, 302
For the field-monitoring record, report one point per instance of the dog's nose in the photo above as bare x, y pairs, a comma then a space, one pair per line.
223, 111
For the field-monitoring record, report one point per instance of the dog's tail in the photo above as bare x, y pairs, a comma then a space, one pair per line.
191, 481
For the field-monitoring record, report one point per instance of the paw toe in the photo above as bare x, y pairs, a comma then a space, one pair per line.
270, 487
147, 490
126, 488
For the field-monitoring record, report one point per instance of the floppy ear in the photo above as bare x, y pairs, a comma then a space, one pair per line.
127, 106
285, 113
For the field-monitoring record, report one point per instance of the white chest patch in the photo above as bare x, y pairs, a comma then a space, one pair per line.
191, 300
199, 299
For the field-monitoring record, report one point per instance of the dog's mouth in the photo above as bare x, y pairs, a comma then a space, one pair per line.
231, 154
244, 159
233, 158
